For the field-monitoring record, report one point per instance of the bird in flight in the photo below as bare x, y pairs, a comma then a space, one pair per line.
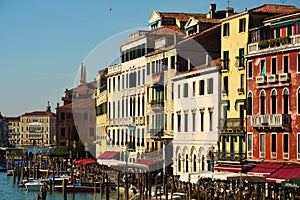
110, 8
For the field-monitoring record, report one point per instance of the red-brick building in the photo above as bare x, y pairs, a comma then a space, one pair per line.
76, 118
273, 93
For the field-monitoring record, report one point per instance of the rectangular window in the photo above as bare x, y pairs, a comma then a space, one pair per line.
242, 25
210, 120
242, 85
92, 132
143, 77
285, 64
148, 68
194, 88
273, 143
298, 63
289, 30
226, 29
178, 92
250, 144
262, 143
172, 121
85, 116
178, 122
298, 145
173, 62
201, 121
210, 86
62, 132
277, 32
262, 67
166, 121
185, 90
241, 57
172, 90
185, 122
225, 85
194, 121
225, 60
285, 143
62, 116
201, 87
138, 77
250, 69
274, 65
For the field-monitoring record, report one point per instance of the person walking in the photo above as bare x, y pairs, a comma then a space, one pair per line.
43, 190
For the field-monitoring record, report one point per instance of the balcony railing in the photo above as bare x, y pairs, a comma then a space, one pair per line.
284, 77
274, 44
275, 121
260, 79
230, 156
157, 103
232, 125
273, 78
156, 132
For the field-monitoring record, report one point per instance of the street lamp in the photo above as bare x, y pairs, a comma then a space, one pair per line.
126, 172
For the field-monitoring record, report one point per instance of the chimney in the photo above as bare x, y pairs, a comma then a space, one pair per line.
83, 75
229, 11
57, 105
212, 10
175, 38
207, 59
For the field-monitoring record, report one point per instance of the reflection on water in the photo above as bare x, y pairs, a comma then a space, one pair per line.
9, 191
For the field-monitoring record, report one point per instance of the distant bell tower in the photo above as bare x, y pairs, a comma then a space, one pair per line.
83, 75
48, 107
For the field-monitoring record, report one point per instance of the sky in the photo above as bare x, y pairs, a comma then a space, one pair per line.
44, 42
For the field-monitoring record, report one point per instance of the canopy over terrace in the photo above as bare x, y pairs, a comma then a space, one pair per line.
265, 169
85, 162
286, 172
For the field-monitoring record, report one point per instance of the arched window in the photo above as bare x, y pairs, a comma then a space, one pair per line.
298, 95
273, 102
285, 101
179, 163
195, 163
249, 104
202, 163
187, 163
262, 103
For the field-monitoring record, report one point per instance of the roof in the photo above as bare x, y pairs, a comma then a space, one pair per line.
274, 9
181, 16
166, 30
39, 113
13, 119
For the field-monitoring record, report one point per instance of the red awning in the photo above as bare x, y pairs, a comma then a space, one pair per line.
146, 162
286, 172
108, 155
85, 161
228, 168
265, 169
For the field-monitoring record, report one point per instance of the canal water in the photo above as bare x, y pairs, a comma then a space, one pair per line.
8, 191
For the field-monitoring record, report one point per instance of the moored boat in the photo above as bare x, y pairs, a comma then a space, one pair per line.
35, 184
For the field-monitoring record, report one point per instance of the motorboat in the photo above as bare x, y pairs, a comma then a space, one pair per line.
10, 172
35, 184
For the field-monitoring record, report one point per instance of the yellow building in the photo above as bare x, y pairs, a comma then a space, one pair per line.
101, 110
234, 40
38, 128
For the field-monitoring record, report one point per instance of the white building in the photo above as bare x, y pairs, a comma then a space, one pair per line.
196, 108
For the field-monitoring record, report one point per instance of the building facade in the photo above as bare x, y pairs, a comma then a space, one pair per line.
273, 93
13, 131
234, 40
3, 131
38, 128
196, 121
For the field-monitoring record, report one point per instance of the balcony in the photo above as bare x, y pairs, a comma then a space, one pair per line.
232, 125
156, 132
260, 80
230, 156
35, 136
157, 104
272, 78
280, 122
274, 44
284, 77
